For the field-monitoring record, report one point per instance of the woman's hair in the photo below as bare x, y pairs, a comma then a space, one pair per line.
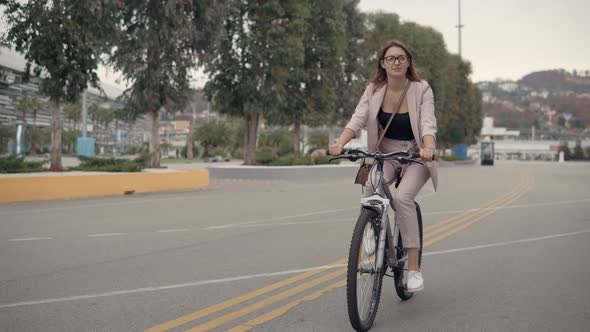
380, 77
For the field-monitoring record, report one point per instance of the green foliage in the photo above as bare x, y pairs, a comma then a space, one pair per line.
260, 49
17, 164
457, 100
280, 139
350, 81
184, 151
97, 164
156, 46
63, 40
265, 155
318, 140
212, 134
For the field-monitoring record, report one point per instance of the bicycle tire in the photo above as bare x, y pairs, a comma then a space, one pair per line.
359, 323
398, 272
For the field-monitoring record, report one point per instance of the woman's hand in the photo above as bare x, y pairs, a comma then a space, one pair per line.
335, 149
427, 154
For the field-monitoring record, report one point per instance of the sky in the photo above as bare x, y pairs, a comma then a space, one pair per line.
503, 39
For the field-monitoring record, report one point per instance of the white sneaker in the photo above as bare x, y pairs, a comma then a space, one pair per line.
415, 281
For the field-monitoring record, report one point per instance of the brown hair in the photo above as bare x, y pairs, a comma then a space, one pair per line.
380, 77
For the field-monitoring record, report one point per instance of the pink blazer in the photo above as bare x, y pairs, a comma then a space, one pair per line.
421, 110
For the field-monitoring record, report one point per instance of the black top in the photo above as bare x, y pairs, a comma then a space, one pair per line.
400, 127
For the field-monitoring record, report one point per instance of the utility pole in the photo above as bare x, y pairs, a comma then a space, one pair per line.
459, 27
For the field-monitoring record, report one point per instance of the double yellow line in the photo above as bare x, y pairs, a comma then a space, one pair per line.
432, 234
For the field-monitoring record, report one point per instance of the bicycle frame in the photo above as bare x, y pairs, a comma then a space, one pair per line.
379, 201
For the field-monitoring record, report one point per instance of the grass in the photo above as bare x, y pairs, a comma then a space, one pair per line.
181, 161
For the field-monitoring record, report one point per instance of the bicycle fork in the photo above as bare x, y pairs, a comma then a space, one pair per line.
379, 204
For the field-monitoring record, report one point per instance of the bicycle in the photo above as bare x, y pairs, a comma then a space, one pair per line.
374, 248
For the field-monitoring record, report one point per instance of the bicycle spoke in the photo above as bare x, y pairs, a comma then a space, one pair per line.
366, 271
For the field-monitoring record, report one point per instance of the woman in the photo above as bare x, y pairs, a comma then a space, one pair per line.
413, 128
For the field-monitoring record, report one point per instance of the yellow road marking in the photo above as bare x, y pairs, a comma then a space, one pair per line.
521, 188
486, 210
221, 306
481, 216
483, 206
283, 310
266, 302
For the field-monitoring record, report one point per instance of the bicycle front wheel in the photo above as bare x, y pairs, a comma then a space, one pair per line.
364, 279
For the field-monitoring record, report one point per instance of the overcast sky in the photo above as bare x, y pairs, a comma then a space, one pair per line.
505, 38
501, 38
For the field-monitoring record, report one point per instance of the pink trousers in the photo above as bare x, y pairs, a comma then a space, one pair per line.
414, 176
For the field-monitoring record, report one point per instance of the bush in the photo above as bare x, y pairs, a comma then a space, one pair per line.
14, 164
291, 160
280, 139
324, 160
112, 164
184, 151
237, 153
265, 156
218, 151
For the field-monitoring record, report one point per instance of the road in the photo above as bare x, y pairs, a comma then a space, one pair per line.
506, 250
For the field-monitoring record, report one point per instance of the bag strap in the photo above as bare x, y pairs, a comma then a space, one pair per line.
399, 103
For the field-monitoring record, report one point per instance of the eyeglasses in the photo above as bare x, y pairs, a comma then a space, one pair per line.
391, 59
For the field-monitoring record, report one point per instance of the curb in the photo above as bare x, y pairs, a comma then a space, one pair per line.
35, 188
282, 172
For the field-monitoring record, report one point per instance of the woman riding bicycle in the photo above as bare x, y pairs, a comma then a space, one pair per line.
412, 128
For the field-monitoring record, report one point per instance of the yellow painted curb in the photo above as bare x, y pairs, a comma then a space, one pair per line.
32, 188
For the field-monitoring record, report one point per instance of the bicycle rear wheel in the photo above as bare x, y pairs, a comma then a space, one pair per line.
400, 273
363, 279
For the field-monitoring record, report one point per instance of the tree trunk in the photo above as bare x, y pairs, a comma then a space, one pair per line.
250, 138
155, 140
297, 139
189, 142
56, 138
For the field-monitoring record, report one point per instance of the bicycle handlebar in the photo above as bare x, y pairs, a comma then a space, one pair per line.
356, 154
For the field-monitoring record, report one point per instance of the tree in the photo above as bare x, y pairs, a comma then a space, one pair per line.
38, 137
63, 39
212, 134
351, 80
318, 140
457, 100
255, 58
316, 48
157, 44
325, 44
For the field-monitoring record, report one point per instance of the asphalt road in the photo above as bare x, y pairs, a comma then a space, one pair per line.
506, 250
